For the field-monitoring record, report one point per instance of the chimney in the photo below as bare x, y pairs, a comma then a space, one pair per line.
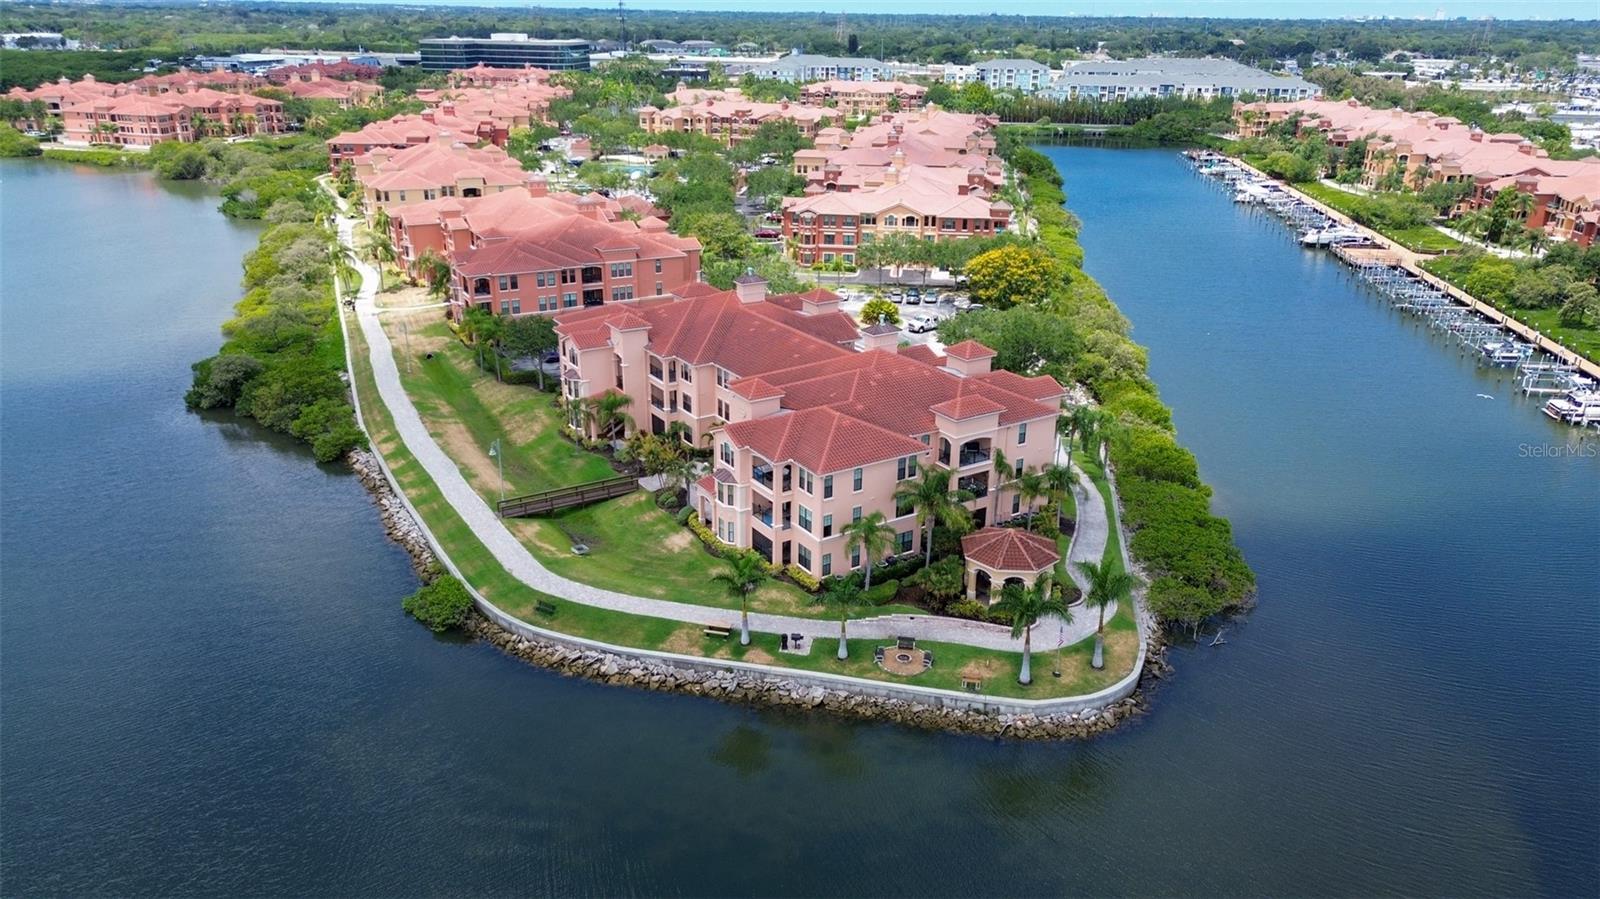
881, 336
427, 116
818, 302
538, 186
458, 148
750, 287
448, 108
1525, 148
1476, 137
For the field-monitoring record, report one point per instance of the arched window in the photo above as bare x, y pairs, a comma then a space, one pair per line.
480, 286
889, 221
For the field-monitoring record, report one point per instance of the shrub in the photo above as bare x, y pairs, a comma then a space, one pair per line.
802, 577
667, 500
441, 605
329, 425
218, 381
970, 609
1147, 452
14, 143
882, 592
686, 514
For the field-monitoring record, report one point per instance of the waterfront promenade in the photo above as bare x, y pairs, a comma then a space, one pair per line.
511, 554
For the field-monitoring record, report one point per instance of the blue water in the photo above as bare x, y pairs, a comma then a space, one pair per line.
207, 686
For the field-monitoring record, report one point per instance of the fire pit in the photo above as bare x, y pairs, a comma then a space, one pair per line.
905, 662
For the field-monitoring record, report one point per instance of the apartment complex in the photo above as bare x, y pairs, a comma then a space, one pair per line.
391, 178
1159, 76
504, 50
812, 423
398, 133
137, 120
928, 174
1023, 75
729, 118
799, 68
183, 106
857, 99
1415, 149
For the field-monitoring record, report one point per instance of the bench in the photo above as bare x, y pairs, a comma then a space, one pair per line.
717, 630
971, 685
544, 607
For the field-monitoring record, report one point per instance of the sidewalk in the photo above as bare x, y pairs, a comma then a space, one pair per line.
521, 564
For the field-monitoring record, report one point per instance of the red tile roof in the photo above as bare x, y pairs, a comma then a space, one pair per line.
821, 440
968, 406
754, 389
968, 349
1010, 549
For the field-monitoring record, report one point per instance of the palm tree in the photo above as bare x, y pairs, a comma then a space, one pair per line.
1523, 204
742, 574
1031, 485
608, 414
1536, 238
1025, 606
435, 269
1108, 584
871, 533
1058, 481
842, 595
344, 266
1002, 472
931, 496
1080, 419
475, 324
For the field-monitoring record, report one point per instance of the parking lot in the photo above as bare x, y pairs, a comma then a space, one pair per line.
942, 307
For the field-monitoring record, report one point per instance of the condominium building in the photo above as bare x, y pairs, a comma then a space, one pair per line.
857, 99
812, 423
799, 68
1160, 76
831, 226
137, 120
504, 50
1023, 75
393, 178
398, 133
732, 120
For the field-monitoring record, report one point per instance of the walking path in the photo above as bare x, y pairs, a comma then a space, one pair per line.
1093, 527
516, 559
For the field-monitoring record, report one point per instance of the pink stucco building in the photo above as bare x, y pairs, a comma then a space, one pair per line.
812, 422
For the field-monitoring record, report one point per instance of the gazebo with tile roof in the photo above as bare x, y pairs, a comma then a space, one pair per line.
998, 555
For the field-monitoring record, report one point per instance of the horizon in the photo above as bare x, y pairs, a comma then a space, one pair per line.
1314, 10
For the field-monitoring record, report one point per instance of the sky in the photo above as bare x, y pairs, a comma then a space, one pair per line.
1234, 9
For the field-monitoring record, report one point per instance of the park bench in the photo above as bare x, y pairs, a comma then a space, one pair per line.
717, 630
545, 607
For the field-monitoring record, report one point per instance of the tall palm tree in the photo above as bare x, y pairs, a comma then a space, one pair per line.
436, 270
742, 574
841, 595
1523, 204
1025, 606
1069, 426
609, 416
1536, 238
930, 494
1031, 486
1058, 481
872, 534
1002, 475
1108, 584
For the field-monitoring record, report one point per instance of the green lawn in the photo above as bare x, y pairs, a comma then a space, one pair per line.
1548, 321
1420, 239
998, 669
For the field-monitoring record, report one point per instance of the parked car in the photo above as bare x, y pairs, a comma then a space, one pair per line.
921, 324
550, 358
897, 296
931, 296
768, 234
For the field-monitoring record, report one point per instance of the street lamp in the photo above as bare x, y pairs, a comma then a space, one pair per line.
494, 453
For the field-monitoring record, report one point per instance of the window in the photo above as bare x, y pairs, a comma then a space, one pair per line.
621, 293
621, 269
1022, 433
827, 486
805, 558
827, 564
902, 541
687, 404
510, 307
1019, 468
855, 514
856, 476
569, 300
659, 290
722, 377
727, 453
1016, 504
907, 468
855, 557
569, 276
827, 525
806, 482
658, 270
902, 507
686, 373
805, 519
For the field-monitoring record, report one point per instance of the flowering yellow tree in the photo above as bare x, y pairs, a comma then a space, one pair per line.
1011, 275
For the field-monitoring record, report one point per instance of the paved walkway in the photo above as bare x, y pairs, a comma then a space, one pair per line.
516, 559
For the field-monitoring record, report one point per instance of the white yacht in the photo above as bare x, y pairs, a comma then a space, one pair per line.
1576, 407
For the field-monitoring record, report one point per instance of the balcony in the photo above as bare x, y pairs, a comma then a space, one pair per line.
974, 456
762, 475
977, 485
656, 372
